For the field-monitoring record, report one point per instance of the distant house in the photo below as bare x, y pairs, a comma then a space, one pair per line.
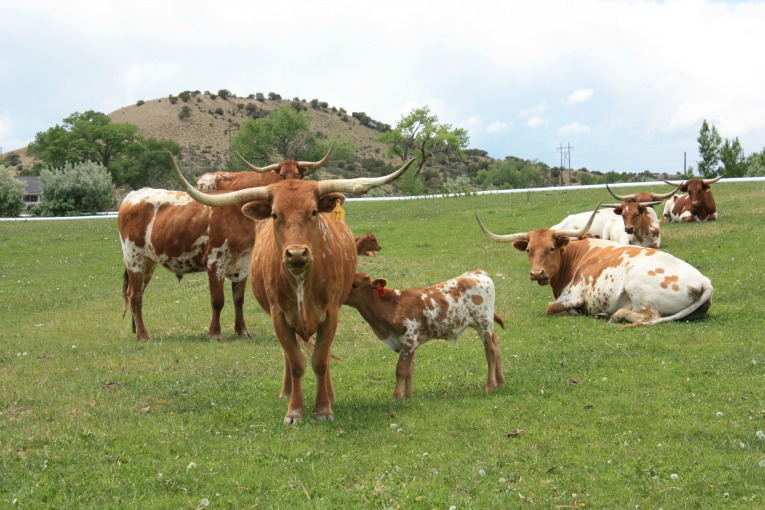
33, 194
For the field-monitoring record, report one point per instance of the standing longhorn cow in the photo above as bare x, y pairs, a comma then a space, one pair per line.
168, 228
302, 268
697, 205
604, 279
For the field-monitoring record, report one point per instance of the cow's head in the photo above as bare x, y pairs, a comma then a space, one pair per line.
368, 242
545, 247
289, 168
632, 213
293, 206
697, 190
364, 288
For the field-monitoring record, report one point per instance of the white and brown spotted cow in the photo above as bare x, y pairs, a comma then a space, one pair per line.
406, 319
643, 286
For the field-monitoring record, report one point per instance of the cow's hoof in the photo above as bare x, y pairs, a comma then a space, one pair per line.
293, 417
325, 416
602, 316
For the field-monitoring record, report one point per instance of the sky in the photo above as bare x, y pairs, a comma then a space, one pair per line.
619, 85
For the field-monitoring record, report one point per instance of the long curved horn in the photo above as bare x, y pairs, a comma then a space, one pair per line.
675, 183
317, 164
581, 231
712, 181
664, 196
260, 170
274, 166
231, 198
360, 185
623, 198
507, 238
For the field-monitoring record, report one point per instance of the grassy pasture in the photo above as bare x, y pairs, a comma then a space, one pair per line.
611, 417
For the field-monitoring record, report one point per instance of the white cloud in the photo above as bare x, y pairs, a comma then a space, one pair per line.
535, 116
574, 128
497, 127
578, 96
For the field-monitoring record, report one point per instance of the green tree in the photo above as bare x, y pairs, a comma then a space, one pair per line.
11, 193
283, 134
89, 136
709, 149
420, 135
732, 158
75, 189
755, 164
147, 164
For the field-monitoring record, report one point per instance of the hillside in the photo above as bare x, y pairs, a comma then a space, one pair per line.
205, 134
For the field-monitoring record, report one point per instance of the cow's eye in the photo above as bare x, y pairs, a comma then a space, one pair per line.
551, 249
315, 212
273, 215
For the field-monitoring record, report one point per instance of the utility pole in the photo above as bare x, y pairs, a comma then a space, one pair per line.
565, 160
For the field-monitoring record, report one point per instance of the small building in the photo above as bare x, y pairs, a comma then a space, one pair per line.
33, 193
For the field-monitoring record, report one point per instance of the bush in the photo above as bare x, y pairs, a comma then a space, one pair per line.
185, 96
11, 193
173, 99
76, 189
185, 113
139, 103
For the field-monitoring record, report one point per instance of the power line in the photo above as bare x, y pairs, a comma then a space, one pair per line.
565, 160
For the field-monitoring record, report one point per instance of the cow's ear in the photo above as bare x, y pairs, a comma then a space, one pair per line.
302, 170
684, 188
379, 283
259, 210
618, 210
521, 244
561, 242
327, 202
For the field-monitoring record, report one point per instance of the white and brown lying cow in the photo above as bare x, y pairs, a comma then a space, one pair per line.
367, 245
406, 319
697, 205
604, 279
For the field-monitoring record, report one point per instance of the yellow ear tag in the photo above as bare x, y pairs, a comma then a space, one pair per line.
338, 213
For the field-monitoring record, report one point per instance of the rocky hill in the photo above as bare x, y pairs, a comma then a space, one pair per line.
205, 123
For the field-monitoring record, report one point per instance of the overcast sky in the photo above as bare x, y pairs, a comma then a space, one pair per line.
626, 83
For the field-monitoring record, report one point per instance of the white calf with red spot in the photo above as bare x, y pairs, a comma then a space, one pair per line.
406, 319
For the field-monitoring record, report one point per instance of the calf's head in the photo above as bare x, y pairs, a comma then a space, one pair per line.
364, 289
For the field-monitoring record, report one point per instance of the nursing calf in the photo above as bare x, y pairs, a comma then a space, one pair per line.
406, 319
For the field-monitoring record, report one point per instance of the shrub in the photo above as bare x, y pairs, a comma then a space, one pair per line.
185, 96
219, 111
139, 103
224, 94
76, 189
260, 97
185, 113
173, 99
11, 193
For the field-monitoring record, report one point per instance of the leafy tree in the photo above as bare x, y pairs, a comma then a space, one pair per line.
75, 189
732, 158
755, 164
283, 134
709, 149
11, 193
89, 136
420, 135
147, 164
224, 94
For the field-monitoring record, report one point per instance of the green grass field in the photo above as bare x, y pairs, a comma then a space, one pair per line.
592, 415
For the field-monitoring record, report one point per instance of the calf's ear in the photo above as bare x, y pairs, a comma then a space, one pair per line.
328, 201
521, 244
380, 282
259, 210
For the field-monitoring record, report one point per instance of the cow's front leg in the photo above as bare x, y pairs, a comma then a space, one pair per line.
217, 300
404, 374
238, 289
325, 392
295, 362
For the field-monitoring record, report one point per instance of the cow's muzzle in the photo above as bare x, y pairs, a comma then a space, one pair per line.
539, 276
297, 257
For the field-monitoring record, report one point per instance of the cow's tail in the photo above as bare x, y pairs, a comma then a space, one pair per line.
499, 320
704, 299
125, 284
